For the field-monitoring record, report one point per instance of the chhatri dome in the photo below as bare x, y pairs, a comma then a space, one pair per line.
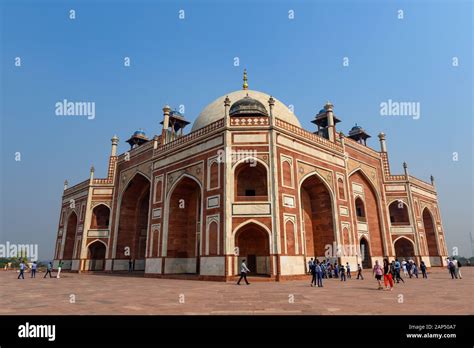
215, 110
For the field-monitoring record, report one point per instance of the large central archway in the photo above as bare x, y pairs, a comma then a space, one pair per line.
133, 221
317, 214
184, 226
253, 244
70, 236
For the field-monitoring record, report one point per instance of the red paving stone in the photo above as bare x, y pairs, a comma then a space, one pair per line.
114, 294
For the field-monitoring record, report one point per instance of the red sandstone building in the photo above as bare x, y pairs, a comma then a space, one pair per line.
247, 182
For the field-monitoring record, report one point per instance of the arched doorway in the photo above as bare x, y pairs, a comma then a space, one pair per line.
96, 255
133, 222
404, 248
184, 226
70, 236
430, 233
317, 216
253, 245
365, 253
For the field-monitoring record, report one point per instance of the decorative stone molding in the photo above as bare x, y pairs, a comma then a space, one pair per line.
196, 171
326, 175
370, 172
126, 175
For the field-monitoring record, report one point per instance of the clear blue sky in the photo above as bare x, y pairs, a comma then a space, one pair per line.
191, 62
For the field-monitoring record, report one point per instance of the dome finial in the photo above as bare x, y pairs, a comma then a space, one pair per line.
245, 86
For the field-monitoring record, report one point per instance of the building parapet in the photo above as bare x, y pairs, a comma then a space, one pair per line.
363, 148
76, 188
308, 135
137, 150
188, 138
421, 183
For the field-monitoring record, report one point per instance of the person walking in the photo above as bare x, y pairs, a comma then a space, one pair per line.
423, 269
377, 270
359, 272
323, 269
313, 273
415, 270
60, 265
22, 270
348, 268
319, 274
130, 266
397, 271
243, 272
33, 269
392, 269
310, 265
457, 265
452, 269
342, 271
336, 270
387, 276
48, 270
404, 268
410, 268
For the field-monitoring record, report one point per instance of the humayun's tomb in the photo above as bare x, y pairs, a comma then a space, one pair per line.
247, 182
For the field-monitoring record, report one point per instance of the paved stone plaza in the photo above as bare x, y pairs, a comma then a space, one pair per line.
120, 294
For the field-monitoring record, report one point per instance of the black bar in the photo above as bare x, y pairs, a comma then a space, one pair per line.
222, 331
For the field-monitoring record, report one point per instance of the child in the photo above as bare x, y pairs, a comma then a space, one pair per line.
348, 268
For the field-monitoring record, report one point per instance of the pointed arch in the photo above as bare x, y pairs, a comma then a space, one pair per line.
251, 183
96, 252
96, 240
100, 216
404, 247
181, 177
253, 221
252, 242
398, 212
124, 187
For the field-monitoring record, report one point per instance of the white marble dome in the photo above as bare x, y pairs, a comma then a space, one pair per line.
215, 110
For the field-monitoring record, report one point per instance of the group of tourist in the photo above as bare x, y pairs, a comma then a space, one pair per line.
325, 270
391, 272
34, 267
